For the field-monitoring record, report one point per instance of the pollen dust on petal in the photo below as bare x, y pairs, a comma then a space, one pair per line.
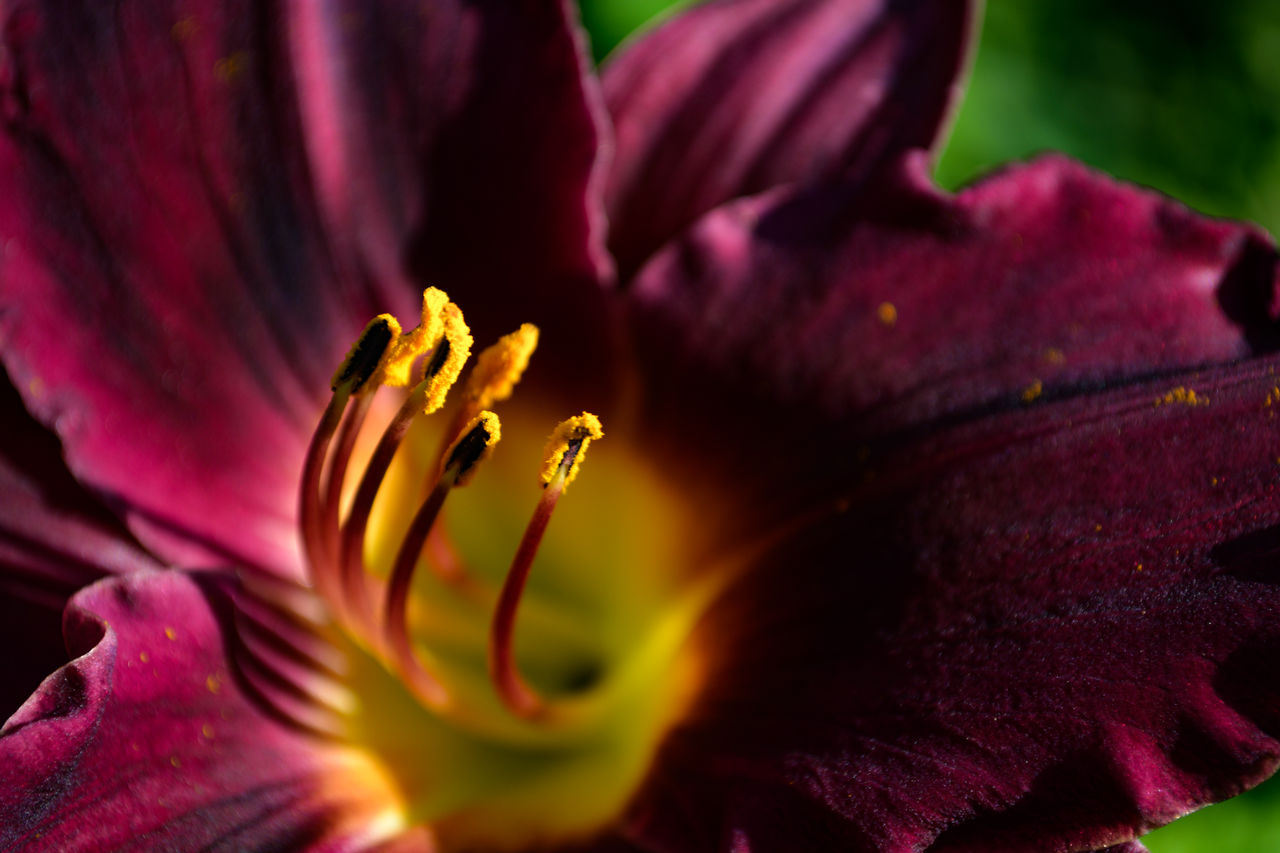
213, 683
232, 67
1032, 391
183, 29
1181, 396
887, 313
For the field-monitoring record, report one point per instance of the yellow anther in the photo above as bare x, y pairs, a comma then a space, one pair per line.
446, 361
572, 434
500, 366
472, 447
369, 356
419, 341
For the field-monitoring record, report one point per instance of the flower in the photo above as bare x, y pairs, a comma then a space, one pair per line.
934, 522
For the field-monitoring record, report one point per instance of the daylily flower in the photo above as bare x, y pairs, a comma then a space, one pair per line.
918, 521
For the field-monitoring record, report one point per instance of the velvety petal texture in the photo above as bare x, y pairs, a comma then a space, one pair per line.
733, 97
854, 314
1020, 564
998, 472
201, 203
149, 713
54, 538
1049, 630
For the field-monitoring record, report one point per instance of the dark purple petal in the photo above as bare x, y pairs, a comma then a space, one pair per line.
1051, 629
849, 315
514, 225
734, 97
54, 539
201, 203
1021, 567
146, 740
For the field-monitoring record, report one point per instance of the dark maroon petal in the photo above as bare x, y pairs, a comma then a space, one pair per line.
145, 740
54, 539
1045, 629
201, 204
851, 314
734, 97
496, 126
1021, 565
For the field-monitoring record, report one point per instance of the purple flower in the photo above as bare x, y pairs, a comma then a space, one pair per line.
921, 522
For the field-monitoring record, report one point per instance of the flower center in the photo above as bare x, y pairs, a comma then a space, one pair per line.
511, 687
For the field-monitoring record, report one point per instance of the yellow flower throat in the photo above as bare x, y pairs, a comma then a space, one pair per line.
499, 701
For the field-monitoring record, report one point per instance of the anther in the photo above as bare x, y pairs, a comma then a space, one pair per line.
463, 458
566, 446
499, 368
475, 445
445, 364
367, 354
413, 344
565, 451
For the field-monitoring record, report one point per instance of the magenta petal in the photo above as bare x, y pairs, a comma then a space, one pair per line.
1050, 629
54, 539
146, 739
731, 98
202, 203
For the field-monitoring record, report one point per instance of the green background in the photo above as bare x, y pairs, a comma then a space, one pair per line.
1180, 95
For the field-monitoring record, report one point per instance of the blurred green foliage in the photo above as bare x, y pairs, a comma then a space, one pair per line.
1181, 95
610, 21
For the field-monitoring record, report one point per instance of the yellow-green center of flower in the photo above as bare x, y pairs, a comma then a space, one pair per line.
509, 688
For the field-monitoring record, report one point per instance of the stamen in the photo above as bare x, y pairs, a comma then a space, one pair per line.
494, 377
427, 360
463, 458
362, 364
565, 451
440, 371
